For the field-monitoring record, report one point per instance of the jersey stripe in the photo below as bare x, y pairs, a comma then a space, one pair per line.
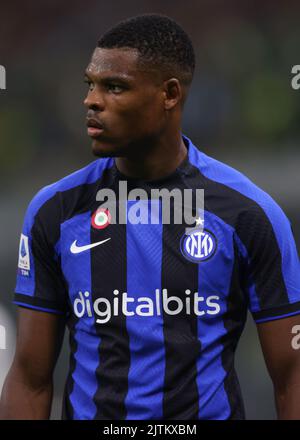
213, 399
113, 351
249, 283
234, 320
147, 359
180, 331
77, 271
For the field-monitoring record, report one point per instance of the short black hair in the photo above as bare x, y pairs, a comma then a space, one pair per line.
159, 40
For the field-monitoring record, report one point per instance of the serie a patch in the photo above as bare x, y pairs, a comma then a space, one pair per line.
24, 256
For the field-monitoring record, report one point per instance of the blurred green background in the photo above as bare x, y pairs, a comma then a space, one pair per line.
241, 110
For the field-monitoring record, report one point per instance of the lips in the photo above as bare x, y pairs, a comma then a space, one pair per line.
95, 127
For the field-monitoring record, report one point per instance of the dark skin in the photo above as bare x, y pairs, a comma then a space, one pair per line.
140, 110
141, 118
283, 364
28, 388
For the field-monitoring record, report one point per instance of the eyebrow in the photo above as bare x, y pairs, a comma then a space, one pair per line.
109, 77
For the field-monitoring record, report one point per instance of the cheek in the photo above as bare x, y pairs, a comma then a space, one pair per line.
146, 112
140, 113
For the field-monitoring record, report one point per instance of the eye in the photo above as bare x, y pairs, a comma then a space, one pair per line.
115, 88
90, 84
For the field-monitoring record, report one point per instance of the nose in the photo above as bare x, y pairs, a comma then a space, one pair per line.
93, 101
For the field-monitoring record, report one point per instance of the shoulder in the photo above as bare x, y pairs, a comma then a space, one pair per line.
240, 192
48, 199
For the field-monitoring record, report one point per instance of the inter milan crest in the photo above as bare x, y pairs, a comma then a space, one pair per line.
198, 245
101, 218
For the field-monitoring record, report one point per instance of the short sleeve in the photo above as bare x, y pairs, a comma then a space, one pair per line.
40, 283
271, 261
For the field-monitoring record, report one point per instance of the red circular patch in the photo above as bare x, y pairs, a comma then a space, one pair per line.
101, 218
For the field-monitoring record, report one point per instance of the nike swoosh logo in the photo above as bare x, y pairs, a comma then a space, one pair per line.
77, 249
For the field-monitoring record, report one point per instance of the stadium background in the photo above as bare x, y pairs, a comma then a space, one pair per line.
241, 110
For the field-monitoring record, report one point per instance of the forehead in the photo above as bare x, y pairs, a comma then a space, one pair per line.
117, 61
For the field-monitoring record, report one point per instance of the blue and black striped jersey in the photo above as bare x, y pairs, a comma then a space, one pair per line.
154, 314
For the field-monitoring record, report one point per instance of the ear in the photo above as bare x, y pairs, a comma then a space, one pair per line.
173, 93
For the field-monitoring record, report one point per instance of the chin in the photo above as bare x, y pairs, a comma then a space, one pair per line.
102, 149
106, 149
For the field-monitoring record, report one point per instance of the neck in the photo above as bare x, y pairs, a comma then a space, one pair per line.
156, 162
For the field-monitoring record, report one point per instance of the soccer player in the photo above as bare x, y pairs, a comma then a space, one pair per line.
154, 312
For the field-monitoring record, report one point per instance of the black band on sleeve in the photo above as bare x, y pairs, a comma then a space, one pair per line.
38, 303
277, 312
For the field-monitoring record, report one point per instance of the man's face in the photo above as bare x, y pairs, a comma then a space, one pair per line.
125, 102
